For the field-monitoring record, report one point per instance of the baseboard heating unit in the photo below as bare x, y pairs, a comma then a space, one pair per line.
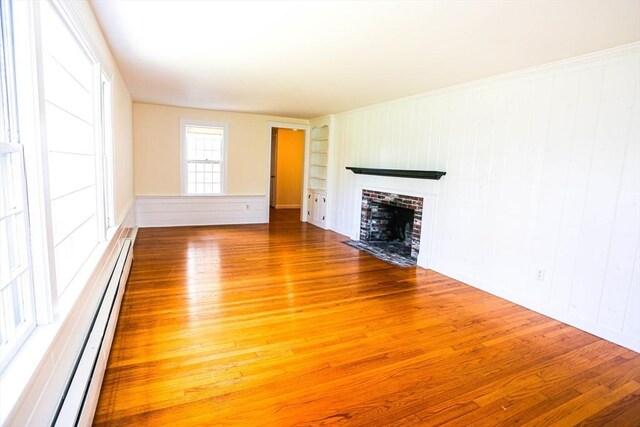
78, 404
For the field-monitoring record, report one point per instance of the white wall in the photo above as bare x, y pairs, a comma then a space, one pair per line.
543, 171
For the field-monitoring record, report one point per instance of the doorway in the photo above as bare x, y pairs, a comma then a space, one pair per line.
286, 168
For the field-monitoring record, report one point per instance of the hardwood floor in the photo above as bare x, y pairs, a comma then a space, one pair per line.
282, 324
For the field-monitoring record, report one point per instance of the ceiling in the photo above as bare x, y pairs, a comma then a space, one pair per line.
309, 58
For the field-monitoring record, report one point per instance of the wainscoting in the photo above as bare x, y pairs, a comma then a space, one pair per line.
173, 211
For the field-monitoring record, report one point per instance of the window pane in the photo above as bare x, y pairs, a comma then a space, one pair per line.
18, 307
5, 248
62, 45
11, 178
4, 338
69, 212
13, 220
73, 251
12, 235
63, 91
61, 182
66, 133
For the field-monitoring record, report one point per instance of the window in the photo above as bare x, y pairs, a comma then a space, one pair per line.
16, 281
203, 155
56, 197
71, 98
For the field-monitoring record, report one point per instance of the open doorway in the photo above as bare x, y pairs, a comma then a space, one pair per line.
286, 168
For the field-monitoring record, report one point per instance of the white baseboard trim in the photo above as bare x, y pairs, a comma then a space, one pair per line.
36, 381
608, 334
175, 211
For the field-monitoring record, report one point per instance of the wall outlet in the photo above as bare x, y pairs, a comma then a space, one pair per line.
540, 274
247, 206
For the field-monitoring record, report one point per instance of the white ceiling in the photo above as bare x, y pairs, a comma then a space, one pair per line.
309, 58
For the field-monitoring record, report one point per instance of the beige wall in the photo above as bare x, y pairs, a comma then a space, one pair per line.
290, 166
156, 136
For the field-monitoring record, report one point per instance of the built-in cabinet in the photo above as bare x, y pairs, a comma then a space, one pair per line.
317, 208
317, 179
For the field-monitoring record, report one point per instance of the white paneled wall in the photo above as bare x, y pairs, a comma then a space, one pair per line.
176, 211
543, 173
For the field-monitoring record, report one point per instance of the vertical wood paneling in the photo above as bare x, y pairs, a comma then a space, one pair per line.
576, 186
631, 325
613, 126
543, 172
625, 236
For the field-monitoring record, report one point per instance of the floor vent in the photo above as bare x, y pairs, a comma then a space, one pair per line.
80, 399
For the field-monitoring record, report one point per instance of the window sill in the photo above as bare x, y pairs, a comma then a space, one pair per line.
36, 354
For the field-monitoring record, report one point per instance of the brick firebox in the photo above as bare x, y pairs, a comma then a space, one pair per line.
370, 200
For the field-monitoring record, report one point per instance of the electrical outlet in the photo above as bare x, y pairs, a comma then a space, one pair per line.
540, 274
247, 206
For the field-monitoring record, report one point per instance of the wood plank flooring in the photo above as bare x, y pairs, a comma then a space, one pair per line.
284, 325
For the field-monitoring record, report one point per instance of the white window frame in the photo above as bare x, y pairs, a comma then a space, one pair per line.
106, 123
184, 157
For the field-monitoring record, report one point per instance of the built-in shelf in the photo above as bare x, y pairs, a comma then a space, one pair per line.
318, 158
318, 165
402, 173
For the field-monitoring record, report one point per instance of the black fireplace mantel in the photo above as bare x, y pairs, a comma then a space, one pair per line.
402, 173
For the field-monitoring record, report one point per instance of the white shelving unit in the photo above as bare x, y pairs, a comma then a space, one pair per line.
318, 160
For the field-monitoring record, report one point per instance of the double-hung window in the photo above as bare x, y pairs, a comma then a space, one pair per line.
17, 317
203, 154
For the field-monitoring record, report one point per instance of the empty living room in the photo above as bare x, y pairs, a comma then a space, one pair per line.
308, 213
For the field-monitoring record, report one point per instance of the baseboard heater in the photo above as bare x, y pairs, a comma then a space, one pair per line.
78, 404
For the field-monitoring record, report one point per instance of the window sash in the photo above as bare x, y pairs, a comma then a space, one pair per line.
17, 310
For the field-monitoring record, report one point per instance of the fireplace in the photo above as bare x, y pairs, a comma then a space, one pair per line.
390, 226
